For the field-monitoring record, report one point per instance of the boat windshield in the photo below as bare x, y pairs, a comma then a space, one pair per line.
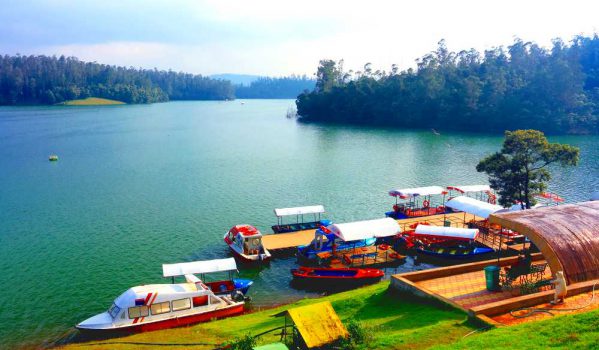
114, 310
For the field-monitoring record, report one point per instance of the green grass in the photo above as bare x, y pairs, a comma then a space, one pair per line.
394, 322
91, 101
578, 331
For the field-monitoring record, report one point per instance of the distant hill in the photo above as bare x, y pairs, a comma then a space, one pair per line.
237, 79
283, 87
49, 80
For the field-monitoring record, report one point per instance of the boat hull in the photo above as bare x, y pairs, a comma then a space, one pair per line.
250, 259
338, 277
173, 322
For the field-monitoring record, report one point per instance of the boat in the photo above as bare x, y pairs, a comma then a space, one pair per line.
337, 276
245, 242
159, 306
300, 224
53, 158
347, 234
221, 286
408, 204
324, 240
446, 242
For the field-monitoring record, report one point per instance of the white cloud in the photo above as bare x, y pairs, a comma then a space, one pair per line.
280, 37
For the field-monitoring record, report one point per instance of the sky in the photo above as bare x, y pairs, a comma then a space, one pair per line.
279, 37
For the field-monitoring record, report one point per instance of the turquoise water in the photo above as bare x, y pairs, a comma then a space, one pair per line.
138, 186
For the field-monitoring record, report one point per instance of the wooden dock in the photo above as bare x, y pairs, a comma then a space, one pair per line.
290, 240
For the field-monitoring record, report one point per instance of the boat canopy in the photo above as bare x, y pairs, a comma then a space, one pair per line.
312, 209
473, 206
449, 232
354, 231
417, 191
470, 188
208, 266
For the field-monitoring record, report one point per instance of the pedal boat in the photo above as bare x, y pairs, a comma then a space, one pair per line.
245, 241
159, 306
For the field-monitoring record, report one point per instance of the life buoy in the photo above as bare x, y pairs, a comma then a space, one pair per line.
492, 200
426, 203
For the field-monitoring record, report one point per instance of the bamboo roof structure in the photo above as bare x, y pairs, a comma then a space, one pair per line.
567, 235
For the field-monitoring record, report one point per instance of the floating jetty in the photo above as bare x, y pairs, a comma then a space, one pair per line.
281, 241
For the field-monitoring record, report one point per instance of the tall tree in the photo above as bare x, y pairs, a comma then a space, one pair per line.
519, 170
328, 75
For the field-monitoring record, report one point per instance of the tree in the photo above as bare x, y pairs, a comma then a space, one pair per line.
328, 75
519, 170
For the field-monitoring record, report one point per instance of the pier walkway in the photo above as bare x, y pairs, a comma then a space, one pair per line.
290, 240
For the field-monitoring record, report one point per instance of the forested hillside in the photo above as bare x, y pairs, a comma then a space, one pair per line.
284, 87
523, 86
49, 80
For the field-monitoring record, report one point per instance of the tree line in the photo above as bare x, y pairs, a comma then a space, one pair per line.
283, 87
523, 86
50, 80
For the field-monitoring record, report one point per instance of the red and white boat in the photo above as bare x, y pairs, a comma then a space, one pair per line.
158, 306
246, 243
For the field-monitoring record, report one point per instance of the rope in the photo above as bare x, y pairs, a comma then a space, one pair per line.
531, 310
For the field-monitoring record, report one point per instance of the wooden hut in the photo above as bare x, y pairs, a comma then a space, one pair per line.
567, 235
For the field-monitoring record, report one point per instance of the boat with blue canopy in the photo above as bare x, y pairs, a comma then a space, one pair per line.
348, 236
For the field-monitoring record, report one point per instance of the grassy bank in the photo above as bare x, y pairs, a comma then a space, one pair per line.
91, 101
394, 321
578, 331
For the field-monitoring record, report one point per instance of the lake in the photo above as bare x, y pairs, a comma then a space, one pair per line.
142, 185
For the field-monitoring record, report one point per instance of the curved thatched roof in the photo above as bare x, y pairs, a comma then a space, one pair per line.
567, 235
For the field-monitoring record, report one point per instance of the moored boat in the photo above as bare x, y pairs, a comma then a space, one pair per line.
345, 276
446, 242
358, 231
408, 203
325, 241
159, 306
245, 242
221, 286
300, 224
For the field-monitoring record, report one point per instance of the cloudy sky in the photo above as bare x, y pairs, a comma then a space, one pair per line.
278, 37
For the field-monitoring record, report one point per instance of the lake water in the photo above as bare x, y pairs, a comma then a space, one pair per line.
138, 186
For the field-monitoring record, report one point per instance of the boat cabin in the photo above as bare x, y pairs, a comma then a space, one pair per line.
417, 202
245, 242
247, 238
300, 223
